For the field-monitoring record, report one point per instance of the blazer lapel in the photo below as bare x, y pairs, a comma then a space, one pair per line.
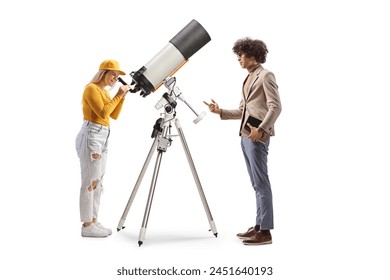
245, 94
257, 74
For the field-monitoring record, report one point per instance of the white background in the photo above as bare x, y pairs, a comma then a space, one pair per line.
328, 163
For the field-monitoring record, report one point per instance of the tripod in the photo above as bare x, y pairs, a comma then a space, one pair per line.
162, 140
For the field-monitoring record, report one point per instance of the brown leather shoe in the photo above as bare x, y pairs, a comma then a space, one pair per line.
251, 232
259, 239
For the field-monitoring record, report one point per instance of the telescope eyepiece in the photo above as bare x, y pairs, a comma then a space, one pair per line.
122, 81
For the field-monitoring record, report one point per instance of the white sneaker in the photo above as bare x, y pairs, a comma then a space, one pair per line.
108, 230
93, 231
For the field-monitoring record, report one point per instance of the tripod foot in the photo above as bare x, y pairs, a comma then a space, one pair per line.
215, 233
140, 243
118, 229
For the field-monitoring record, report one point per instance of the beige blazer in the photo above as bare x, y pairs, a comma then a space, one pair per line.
260, 99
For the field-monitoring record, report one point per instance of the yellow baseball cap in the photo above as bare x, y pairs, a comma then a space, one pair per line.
112, 65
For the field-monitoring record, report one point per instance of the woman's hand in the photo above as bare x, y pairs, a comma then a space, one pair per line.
123, 90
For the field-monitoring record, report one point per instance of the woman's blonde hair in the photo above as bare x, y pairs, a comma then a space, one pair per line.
98, 77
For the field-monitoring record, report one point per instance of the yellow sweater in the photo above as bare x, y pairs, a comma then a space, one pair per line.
98, 106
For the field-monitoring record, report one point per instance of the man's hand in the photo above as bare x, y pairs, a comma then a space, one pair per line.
258, 134
213, 107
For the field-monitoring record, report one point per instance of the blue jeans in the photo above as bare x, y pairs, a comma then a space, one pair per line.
91, 147
256, 157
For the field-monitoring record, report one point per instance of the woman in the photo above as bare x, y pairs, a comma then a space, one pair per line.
92, 142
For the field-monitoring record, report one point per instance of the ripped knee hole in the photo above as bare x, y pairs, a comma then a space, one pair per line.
93, 185
96, 156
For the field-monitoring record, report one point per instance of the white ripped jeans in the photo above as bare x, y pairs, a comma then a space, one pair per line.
91, 147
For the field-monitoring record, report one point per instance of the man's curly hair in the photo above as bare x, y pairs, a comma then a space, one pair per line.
251, 48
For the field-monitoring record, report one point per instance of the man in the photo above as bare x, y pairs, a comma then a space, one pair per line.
259, 109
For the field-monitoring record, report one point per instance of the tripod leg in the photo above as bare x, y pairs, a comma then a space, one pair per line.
137, 184
142, 232
196, 177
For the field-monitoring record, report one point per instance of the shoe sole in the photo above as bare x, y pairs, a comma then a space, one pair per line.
94, 236
254, 244
245, 237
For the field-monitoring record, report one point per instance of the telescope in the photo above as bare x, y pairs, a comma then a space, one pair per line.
170, 59
159, 71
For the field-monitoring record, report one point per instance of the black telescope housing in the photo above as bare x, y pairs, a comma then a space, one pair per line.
179, 49
190, 39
